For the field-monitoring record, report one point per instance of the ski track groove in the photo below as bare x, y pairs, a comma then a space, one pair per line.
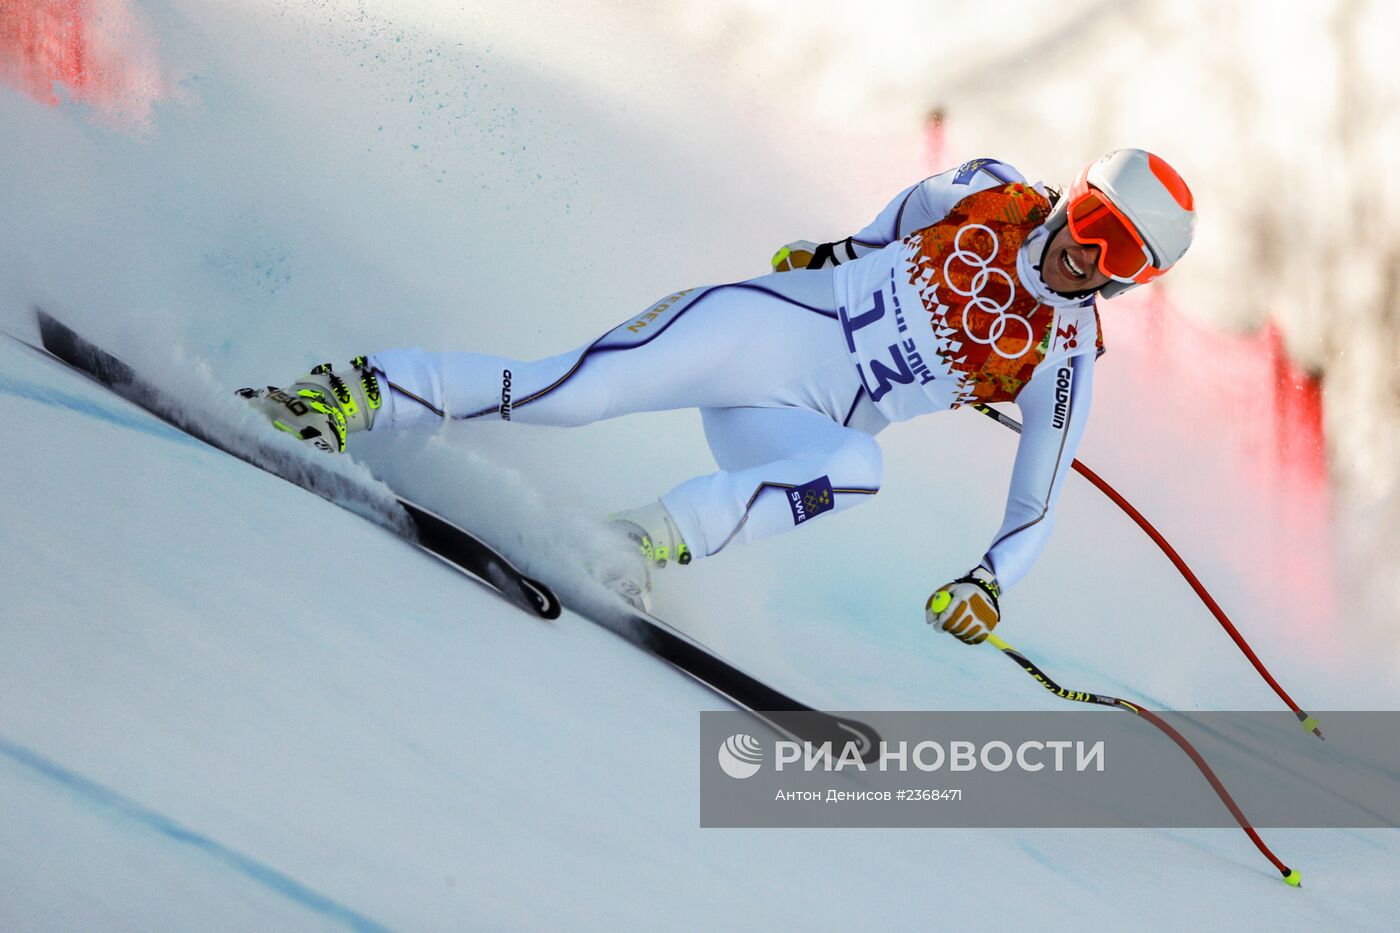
57, 398
122, 807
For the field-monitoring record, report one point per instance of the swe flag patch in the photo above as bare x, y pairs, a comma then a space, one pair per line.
810, 499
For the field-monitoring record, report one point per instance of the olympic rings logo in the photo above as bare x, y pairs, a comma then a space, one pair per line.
1002, 317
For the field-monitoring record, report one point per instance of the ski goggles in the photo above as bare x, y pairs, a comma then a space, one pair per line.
1093, 218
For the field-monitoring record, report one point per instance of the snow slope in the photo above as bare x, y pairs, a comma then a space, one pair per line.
225, 704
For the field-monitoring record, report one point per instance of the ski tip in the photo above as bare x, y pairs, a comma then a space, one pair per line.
1292, 878
865, 739
541, 598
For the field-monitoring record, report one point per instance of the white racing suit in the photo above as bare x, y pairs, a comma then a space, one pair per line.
795, 372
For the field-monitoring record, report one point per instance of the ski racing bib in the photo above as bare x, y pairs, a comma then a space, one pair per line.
942, 317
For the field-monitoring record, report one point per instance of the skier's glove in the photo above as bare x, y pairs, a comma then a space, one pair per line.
804, 254
967, 608
796, 255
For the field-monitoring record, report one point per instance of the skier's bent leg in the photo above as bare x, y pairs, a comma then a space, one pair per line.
829, 469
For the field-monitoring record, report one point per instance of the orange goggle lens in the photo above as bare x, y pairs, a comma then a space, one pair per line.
1123, 256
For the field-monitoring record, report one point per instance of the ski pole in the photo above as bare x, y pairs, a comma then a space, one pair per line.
1308, 721
1290, 875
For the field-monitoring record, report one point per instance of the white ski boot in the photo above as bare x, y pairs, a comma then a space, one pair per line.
657, 542
323, 406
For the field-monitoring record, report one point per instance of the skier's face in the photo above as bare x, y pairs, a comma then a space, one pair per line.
1069, 266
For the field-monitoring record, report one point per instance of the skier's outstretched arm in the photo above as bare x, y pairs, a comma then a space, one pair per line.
1054, 408
914, 208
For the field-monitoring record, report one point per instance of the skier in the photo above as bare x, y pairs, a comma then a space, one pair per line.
970, 286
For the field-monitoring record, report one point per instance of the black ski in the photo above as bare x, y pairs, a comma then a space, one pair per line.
464, 551
779, 710
429, 531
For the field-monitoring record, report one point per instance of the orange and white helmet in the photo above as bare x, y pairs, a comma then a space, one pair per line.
1136, 209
